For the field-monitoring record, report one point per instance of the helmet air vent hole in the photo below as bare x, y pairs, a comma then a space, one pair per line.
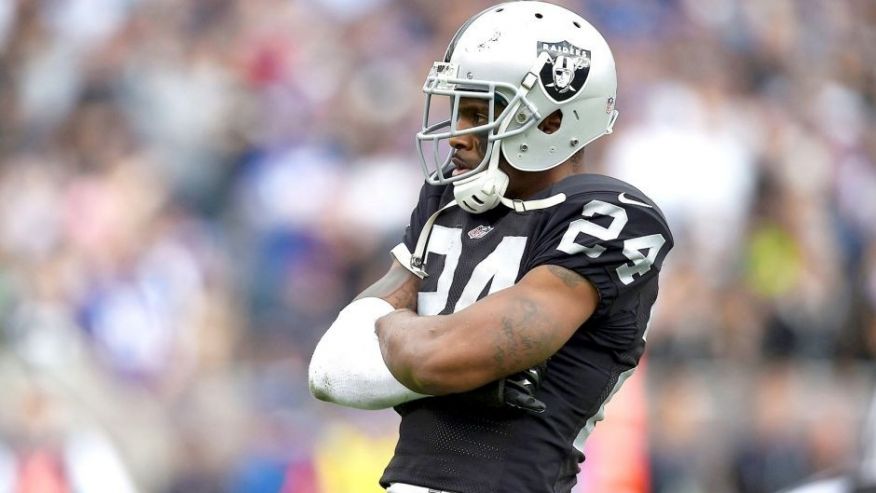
577, 24
552, 123
499, 10
538, 16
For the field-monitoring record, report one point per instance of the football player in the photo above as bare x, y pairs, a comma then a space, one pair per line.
518, 302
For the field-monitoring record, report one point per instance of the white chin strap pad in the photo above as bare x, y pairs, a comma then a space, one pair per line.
481, 192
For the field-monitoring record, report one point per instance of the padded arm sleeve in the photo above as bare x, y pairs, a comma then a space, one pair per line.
347, 367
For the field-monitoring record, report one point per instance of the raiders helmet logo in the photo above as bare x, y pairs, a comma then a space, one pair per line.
565, 71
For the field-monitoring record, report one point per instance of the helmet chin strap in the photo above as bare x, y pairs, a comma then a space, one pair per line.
483, 191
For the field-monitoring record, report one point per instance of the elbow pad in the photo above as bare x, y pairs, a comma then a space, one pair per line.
347, 367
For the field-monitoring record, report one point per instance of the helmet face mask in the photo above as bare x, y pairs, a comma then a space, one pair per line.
537, 57
443, 82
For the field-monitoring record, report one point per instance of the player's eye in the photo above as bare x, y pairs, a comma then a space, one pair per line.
480, 119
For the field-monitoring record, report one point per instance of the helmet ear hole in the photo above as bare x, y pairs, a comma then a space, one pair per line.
552, 123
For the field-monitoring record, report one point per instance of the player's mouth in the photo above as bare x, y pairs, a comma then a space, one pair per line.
460, 166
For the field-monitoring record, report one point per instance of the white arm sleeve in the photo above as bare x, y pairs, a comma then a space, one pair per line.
347, 367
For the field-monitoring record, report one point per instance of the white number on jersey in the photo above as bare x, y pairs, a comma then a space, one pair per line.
501, 267
594, 207
641, 263
633, 247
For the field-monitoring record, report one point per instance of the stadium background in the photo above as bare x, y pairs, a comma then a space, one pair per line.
191, 189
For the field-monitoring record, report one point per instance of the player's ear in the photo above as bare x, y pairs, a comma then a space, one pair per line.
552, 123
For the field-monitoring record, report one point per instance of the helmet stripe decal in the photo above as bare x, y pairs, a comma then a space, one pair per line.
459, 32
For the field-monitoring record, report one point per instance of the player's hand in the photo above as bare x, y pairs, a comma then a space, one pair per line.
515, 391
518, 390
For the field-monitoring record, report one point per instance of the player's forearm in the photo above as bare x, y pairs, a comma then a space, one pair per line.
498, 336
347, 368
411, 348
506, 332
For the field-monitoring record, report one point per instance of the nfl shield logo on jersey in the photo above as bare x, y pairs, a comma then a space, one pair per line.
565, 71
479, 232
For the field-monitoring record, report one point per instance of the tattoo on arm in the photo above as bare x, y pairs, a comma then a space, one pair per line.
528, 333
569, 278
525, 333
398, 287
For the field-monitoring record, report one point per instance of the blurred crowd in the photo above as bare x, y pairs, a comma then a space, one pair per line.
191, 190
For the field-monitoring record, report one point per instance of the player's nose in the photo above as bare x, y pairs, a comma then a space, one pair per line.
462, 142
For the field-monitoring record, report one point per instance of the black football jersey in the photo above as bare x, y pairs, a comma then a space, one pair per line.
607, 231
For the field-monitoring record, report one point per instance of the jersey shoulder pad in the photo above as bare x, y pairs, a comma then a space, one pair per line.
606, 230
580, 187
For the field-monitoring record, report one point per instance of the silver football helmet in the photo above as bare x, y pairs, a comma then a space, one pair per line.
527, 59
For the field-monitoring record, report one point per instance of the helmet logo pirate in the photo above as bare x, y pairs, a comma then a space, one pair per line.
565, 71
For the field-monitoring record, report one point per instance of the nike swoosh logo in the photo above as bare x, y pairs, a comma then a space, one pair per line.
623, 198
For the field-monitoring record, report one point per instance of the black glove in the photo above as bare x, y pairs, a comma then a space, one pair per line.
518, 390
515, 391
